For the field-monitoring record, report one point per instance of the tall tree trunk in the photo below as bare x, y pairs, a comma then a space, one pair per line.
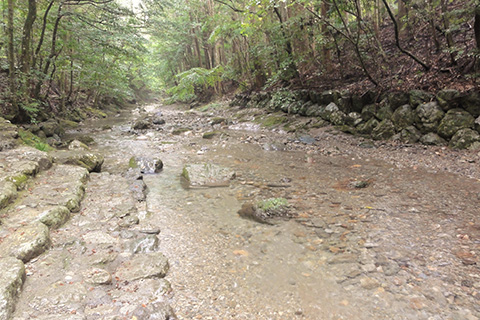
448, 34
401, 13
326, 54
26, 56
11, 59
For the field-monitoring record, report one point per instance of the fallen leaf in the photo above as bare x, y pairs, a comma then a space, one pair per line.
240, 253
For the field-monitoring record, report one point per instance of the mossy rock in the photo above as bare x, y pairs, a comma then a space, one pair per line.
455, 120
464, 138
448, 99
68, 124
408, 135
96, 112
19, 180
385, 130
403, 117
418, 97
179, 131
433, 139
33, 140
429, 116
368, 127
211, 134
273, 120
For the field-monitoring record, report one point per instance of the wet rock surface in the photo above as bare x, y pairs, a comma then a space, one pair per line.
378, 230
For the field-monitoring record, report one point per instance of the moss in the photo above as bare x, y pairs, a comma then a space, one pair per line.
272, 204
19, 180
185, 174
272, 120
68, 124
96, 113
179, 131
211, 134
132, 163
32, 140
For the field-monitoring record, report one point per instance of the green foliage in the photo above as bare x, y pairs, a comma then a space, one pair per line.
32, 140
194, 80
272, 204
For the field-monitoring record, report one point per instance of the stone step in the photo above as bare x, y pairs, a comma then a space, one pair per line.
103, 263
16, 167
46, 202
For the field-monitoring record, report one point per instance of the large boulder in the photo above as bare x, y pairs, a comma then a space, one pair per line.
448, 99
353, 119
397, 99
455, 120
384, 112
464, 138
429, 116
403, 117
384, 130
338, 118
51, 127
369, 111
26, 242
329, 109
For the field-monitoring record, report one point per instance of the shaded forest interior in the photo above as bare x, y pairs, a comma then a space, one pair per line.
61, 55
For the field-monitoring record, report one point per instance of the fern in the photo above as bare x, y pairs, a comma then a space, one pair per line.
192, 80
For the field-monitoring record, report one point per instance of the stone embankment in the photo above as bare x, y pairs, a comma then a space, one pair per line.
448, 117
72, 241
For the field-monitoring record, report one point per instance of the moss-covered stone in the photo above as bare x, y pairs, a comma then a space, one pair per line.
19, 180
464, 138
429, 116
448, 99
367, 127
179, 131
455, 120
408, 135
403, 117
385, 130
418, 97
433, 139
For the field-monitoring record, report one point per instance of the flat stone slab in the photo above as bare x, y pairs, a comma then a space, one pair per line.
8, 192
27, 242
12, 276
78, 157
207, 175
19, 159
143, 266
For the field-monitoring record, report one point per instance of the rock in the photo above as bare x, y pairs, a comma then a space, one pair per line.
139, 189
397, 99
384, 112
8, 134
453, 121
8, 192
477, 124
146, 244
91, 161
464, 138
99, 237
307, 139
429, 116
158, 119
368, 127
343, 258
471, 103
433, 139
353, 119
265, 210
143, 266
142, 124
369, 111
146, 165
384, 130
274, 146
211, 134
54, 217
26, 242
128, 221
207, 175
369, 283
314, 110
408, 135
77, 145
154, 311
448, 99
403, 117
337, 118
50, 128
418, 97
97, 276
12, 276
329, 109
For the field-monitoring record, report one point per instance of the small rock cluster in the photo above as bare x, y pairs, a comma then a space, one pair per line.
449, 117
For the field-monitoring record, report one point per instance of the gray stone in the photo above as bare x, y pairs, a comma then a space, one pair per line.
464, 138
83, 158
328, 110
369, 283
433, 139
384, 130
418, 97
54, 217
8, 192
97, 276
146, 164
77, 145
403, 117
143, 266
429, 116
353, 119
142, 125
50, 128
337, 118
453, 121
8, 134
408, 135
448, 99
128, 221
313, 111
12, 276
146, 244
207, 175
369, 111
26, 242
343, 258
368, 127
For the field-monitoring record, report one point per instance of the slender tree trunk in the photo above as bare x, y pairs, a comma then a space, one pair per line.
42, 35
26, 56
401, 13
326, 54
11, 59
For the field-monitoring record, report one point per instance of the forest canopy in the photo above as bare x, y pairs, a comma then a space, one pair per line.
59, 54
